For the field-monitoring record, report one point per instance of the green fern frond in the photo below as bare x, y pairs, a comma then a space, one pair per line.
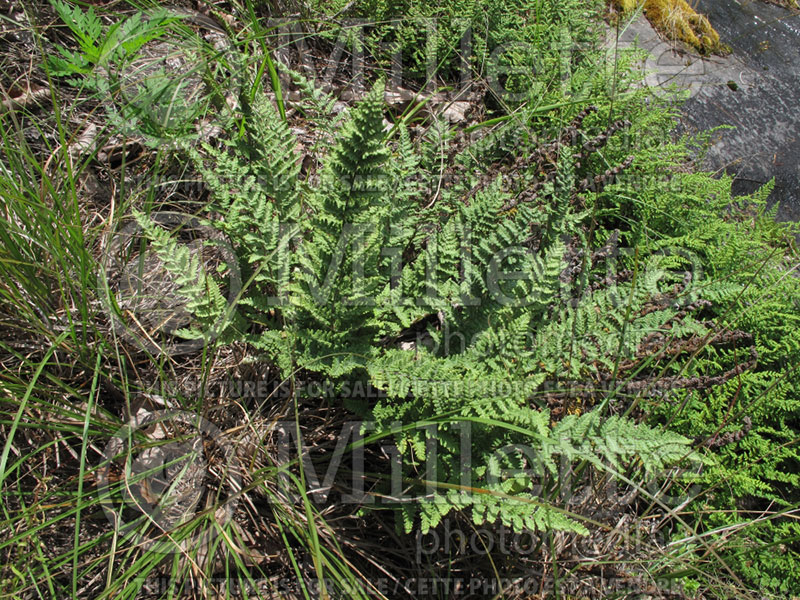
203, 296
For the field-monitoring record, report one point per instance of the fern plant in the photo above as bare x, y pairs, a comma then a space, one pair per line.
347, 279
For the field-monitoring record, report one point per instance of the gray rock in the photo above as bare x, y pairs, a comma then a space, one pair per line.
755, 89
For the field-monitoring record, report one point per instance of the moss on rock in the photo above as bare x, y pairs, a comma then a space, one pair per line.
678, 21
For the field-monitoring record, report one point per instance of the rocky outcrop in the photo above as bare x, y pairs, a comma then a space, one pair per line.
755, 89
